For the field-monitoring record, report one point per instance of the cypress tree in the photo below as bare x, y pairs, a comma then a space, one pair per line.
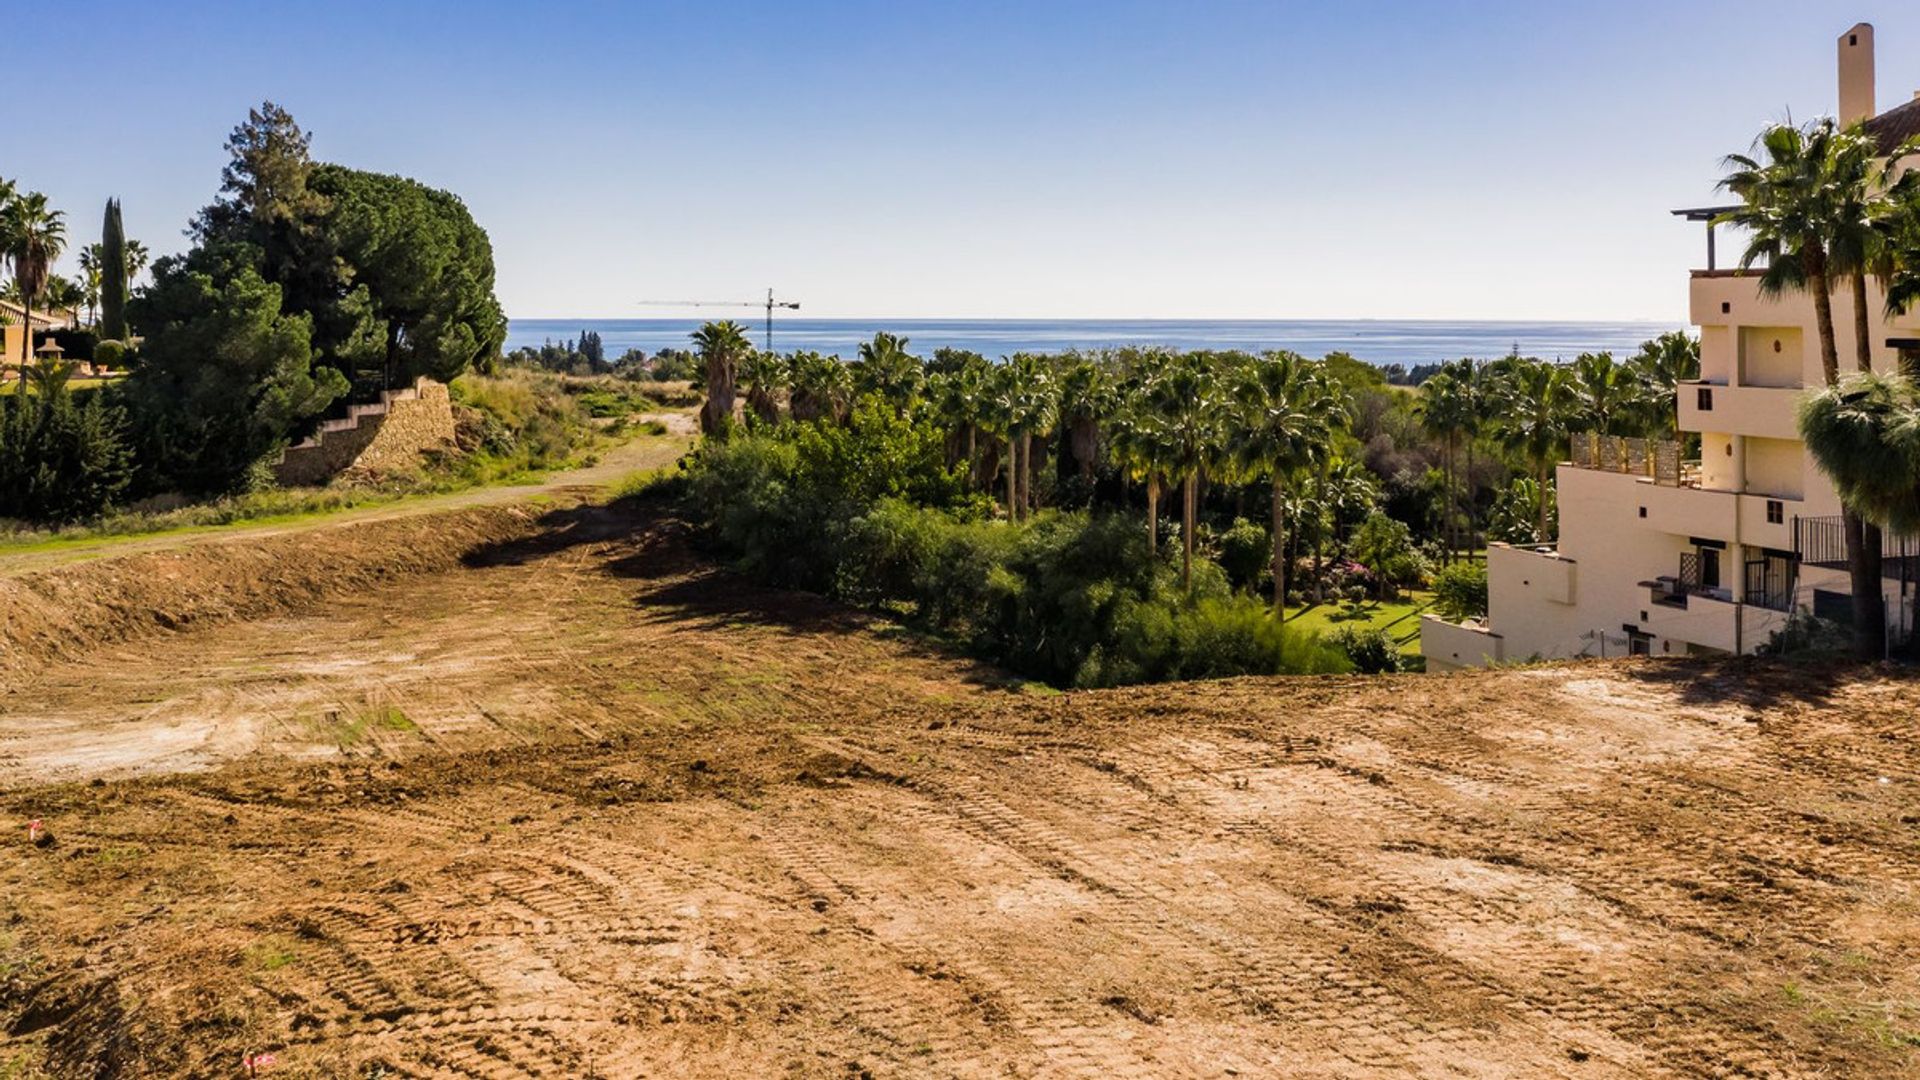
113, 275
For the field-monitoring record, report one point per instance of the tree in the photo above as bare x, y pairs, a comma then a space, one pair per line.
33, 236
1141, 443
110, 261
1084, 400
764, 374
1283, 425
1032, 406
399, 269
225, 375
1659, 367
1186, 398
886, 368
722, 345
1536, 405
822, 387
1865, 435
1605, 394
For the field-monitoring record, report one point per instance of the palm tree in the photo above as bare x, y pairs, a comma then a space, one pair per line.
1607, 394
1143, 448
1443, 415
1865, 434
1660, 366
722, 345
764, 374
1187, 400
887, 369
48, 376
1284, 424
1797, 209
1536, 405
34, 235
1084, 399
1032, 406
1792, 212
822, 387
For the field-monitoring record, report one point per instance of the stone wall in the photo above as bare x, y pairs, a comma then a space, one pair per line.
376, 439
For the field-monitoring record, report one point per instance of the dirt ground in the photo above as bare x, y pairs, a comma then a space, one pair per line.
574, 804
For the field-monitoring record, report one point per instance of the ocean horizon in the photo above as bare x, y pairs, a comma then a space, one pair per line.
1376, 341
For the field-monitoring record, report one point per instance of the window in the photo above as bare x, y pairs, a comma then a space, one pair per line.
1776, 512
1704, 397
1643, 511
1726, 307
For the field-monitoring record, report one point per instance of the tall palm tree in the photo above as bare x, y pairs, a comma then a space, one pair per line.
822, 387
722, 345
34, 236
1283, 424
1660, 366
1084, 400
1143, 447
1796, 208
1792, 213
1606, 393
1188, 401
1443, 415
1536, 406
1032, 407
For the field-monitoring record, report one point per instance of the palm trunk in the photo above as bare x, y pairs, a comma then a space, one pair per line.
973, 449
26, 337
1153, 511
1186, 532
1823, 317
1013, 478
1279, 551
1026, 474
1540, 478
1473, 514
1864, 563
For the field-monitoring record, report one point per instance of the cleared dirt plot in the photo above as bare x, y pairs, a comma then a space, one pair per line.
569, 803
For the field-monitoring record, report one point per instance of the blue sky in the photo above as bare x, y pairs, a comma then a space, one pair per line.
1425, 159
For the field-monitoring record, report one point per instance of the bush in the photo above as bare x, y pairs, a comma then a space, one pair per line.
1460, 591
1368, 649
61, 461
110, 354
1246, 554
1385, 546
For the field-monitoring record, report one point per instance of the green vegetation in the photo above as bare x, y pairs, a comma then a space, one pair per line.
975, 498
308, 286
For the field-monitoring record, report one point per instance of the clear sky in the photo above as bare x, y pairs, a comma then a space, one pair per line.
1413, 158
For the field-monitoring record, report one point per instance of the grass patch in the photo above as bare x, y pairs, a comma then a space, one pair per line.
272, 953
1398, 619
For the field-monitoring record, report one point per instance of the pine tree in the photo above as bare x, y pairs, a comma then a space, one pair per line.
113, 275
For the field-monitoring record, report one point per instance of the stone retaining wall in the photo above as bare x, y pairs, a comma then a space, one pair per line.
383, 437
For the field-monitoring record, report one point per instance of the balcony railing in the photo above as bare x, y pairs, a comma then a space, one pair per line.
1657, 459
1822, 542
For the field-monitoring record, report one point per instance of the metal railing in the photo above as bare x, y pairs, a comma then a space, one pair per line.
1770, 584
1822, 542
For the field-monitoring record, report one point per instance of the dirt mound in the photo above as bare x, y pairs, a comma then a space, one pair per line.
63, 613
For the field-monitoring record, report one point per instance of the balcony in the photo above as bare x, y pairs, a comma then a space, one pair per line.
1766, 412
1669, 495
1714, 623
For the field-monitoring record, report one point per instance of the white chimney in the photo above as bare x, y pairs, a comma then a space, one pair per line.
1856, 74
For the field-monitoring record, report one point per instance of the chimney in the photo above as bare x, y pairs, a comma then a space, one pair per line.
1856, 74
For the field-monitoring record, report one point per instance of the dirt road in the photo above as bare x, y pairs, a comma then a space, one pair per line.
580, 806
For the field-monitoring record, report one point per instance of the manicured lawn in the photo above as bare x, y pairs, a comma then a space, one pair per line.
8, 386
1400, 619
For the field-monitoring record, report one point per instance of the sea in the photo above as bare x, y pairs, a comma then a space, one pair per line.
1383, 341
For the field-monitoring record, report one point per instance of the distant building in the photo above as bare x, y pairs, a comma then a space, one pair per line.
1660, 556
13, 337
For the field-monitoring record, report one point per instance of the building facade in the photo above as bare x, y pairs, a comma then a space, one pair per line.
1659, 555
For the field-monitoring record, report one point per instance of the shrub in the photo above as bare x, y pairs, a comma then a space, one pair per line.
1368, 649
1246, 554
1385, 546
61, 461
1460, 591
110, 354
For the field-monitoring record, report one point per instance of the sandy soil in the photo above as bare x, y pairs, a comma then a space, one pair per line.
581, 806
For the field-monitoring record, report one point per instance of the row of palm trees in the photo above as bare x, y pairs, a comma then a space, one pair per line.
1176, 422
1171, 421
1826, 210
1529, 408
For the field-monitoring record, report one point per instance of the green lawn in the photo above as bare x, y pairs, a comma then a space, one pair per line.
1400, 619
8, 386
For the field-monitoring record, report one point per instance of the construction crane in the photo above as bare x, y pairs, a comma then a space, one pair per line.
770, 303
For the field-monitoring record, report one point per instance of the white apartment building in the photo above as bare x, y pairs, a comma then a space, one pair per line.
1661, 556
